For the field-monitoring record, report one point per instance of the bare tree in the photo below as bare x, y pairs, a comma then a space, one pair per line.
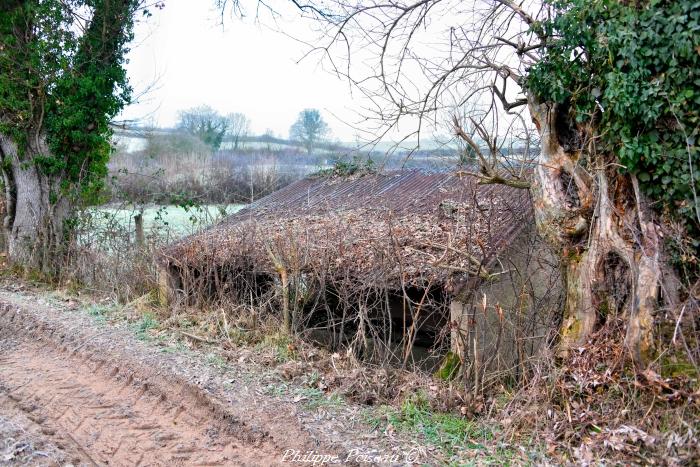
430, 62
238, 127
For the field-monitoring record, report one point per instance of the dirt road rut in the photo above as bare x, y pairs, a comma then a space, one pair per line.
101, 405
112, 420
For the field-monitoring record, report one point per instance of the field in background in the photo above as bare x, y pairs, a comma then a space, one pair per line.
107, 255
171, 220
167, 170
201, 177
168, 167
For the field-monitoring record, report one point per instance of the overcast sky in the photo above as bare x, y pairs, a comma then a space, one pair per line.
245, 66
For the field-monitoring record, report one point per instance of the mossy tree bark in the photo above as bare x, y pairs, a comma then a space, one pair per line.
609, 241
33, 226
62, 79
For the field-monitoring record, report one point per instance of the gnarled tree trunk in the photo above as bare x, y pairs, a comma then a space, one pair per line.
599, 222
63, 78
35, 210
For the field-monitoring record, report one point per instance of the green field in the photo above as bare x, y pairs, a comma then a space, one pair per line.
171, 220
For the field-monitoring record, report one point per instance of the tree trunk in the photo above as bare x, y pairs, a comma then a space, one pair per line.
33, 226
601, 225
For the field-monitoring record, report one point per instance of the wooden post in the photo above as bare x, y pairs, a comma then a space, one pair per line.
286, 315
140, 235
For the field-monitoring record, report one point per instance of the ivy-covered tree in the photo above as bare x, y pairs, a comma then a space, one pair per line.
617, 95
613, 90
206, 124
62, 80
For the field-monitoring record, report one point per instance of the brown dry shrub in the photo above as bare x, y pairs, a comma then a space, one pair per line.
595, 406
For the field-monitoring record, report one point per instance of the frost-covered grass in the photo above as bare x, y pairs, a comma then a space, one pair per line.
107, 255
177, 220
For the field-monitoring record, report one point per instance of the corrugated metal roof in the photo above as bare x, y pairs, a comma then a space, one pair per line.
399, 191
360, 216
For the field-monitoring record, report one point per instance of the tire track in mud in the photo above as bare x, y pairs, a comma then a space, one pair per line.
109, 411
113, 421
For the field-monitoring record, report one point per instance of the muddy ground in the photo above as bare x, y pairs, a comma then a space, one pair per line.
74, 391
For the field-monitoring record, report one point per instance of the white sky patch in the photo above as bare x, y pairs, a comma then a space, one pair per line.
189, 59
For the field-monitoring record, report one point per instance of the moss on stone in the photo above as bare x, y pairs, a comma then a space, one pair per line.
674, 366
449, 367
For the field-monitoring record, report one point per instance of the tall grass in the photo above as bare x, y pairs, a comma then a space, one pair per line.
163, 176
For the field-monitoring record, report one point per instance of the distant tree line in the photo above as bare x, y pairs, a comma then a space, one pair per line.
212, 128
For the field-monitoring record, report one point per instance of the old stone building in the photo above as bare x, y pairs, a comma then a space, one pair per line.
385, 263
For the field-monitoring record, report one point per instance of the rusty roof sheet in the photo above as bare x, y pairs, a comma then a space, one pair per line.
398, 191
409, 225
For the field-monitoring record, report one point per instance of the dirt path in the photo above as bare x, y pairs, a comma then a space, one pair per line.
71, 393
110, 419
